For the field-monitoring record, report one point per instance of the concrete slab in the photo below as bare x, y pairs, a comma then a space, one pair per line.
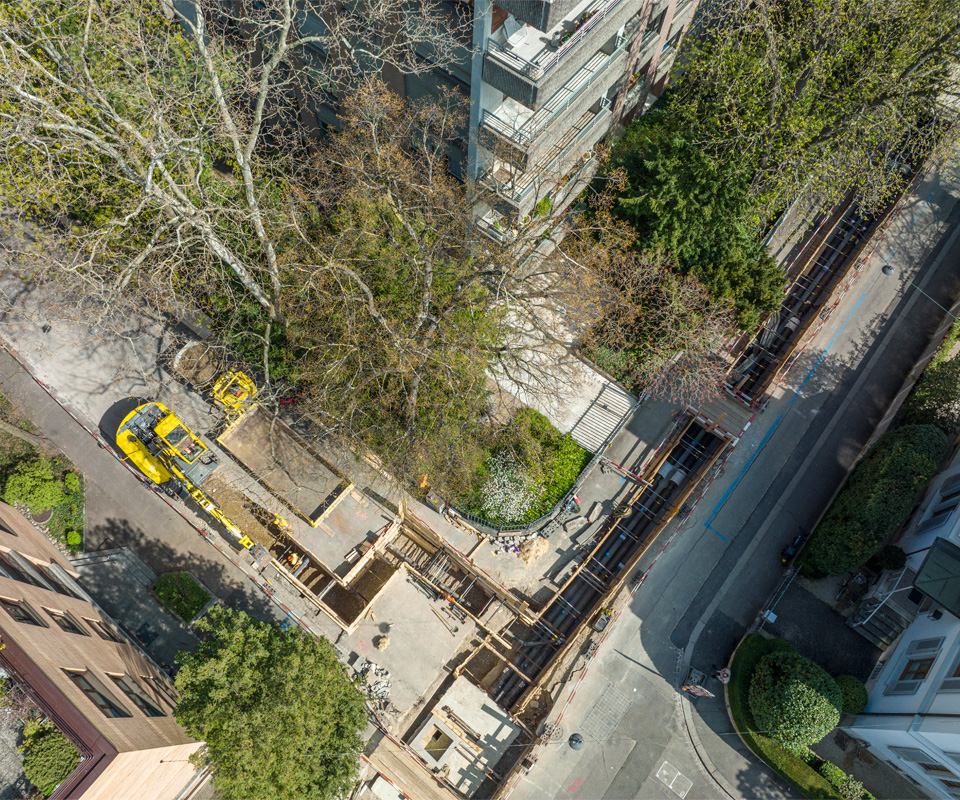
420, 643
354, 520
465, 736
120, 583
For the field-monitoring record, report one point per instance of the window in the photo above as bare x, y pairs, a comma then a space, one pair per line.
97, 695
951, 683
135, 694
104, 630
950, 783
21, 612
66, 622
164, 690
655, 24
937, 768
26, 568
8, 570
914, 666
946, 503
63, 582
916, 669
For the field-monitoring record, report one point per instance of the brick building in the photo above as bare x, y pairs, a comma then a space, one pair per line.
88, 678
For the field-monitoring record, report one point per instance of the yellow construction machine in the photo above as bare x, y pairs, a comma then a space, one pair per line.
234, 392
162, 447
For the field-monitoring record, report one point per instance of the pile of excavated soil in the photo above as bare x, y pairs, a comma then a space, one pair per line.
197, 364
532, 549
239, 508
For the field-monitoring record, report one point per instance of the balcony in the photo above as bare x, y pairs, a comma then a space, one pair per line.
532, 54
494, 225
522, 188
520, 125
531, 66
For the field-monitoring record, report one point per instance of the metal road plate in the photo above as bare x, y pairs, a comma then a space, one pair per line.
675, 781
601, 720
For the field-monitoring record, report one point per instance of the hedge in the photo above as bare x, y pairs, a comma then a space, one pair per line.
935, 400
793, 700
877, 499
48, 756
789, 765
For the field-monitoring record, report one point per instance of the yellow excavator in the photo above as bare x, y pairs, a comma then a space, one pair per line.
156, 442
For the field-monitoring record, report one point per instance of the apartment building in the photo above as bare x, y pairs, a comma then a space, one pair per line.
912, 720
547, 80
88, 678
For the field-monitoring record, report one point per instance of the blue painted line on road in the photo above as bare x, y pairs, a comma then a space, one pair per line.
778, 420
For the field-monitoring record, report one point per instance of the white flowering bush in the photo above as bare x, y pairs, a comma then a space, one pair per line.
509, 492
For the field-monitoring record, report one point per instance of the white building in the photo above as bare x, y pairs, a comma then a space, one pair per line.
912, 719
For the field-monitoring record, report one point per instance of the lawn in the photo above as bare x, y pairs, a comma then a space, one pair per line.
179, 592
793, 769
530, 468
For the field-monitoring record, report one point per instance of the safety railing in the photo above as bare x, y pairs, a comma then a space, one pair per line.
548, 58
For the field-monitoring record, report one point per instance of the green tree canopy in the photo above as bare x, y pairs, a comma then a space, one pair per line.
793, 700
854, 694
279, 715
48, 756
878, 497
935, 400
694, 206
822, 96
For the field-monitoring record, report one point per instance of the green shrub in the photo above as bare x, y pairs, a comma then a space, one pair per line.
74, 539
877, 499
850, 788
33, 484
935, 399
179, 592
72, 482
531, 468
854, 694
890, 557
790, 765
832, 773
793, 700
48, 756
543, 207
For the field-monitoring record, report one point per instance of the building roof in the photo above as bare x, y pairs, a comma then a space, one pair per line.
939, 575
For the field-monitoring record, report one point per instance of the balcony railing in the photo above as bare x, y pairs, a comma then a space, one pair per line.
548, 58
517, 187
524, 134
503, 234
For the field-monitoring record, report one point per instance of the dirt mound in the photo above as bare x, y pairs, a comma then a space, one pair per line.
239, 508
197, 363
532, 549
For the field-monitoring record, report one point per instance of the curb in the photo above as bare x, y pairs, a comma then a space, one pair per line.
706, 762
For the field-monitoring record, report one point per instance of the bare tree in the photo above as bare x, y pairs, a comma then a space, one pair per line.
663, 333
164, 147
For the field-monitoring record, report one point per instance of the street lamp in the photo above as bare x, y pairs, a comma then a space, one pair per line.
887, 269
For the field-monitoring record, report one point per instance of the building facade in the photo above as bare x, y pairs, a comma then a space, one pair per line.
547, 80
912, 720
113, 703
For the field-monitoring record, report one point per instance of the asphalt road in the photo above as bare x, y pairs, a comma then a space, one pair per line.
720, 569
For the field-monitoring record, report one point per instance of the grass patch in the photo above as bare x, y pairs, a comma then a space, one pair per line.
180, 592
792, 768
529, 469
